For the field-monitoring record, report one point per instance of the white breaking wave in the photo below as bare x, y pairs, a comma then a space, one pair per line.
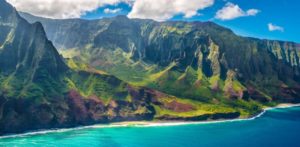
37, 132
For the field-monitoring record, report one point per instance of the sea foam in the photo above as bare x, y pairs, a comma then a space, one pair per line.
154, 124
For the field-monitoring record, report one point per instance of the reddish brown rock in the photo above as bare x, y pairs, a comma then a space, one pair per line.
255, 95
240, 93
112, 104
202, 117
230, 92
198, 84
291, 95
179, 107
76, 103
215, 100
215, 87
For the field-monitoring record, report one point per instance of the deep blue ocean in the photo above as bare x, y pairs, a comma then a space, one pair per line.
277, 128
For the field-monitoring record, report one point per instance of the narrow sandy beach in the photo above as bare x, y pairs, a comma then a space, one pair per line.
167, 123
149, 123
285, 105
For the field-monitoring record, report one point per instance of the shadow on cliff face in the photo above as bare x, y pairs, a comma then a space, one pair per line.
19, 115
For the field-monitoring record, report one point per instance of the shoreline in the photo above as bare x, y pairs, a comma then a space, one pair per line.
150, 123
283, 105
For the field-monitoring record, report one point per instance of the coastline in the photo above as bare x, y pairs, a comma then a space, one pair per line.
169, 123
150, 123
283, 105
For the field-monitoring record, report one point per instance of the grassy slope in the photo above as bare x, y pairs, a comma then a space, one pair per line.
183, 85
222, 48
88, 86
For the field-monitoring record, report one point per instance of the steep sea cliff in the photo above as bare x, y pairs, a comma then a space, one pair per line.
276, 127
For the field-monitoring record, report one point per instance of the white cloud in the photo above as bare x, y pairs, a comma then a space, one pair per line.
252, 12
107, 10
274, 27
151, 9
231, 11
165, 9
60, 8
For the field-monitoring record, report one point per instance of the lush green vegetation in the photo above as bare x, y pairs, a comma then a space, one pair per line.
200, 63
203, 71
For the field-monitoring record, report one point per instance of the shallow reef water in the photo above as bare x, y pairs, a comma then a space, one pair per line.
275, 127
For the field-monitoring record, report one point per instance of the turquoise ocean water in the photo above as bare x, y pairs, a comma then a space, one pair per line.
276, 128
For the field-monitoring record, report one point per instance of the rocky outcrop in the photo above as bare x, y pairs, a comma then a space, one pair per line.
175, 47
201, 61
20, 115
288, 94
39, 91
202, 117
254, 94
179, 107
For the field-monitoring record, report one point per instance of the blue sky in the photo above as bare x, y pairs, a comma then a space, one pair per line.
283, 13
265, 19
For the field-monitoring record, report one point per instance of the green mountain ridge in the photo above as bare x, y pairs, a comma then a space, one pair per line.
212, 73
195, 60
41, 90
281, 49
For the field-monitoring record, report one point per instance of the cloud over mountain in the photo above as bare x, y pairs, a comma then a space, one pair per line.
60, 8
152, 9
165, 9
231, 11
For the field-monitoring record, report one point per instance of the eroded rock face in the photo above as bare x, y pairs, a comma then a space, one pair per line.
76, 103
179, 107
35, 80
254, 94
231, 93
39, 91
291, 95
202, 117
21, 115
75, 109
93, 110
284, 94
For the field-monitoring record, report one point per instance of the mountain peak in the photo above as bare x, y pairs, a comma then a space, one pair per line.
25, 46
8, 13
122, 16
210, 49
4, 4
